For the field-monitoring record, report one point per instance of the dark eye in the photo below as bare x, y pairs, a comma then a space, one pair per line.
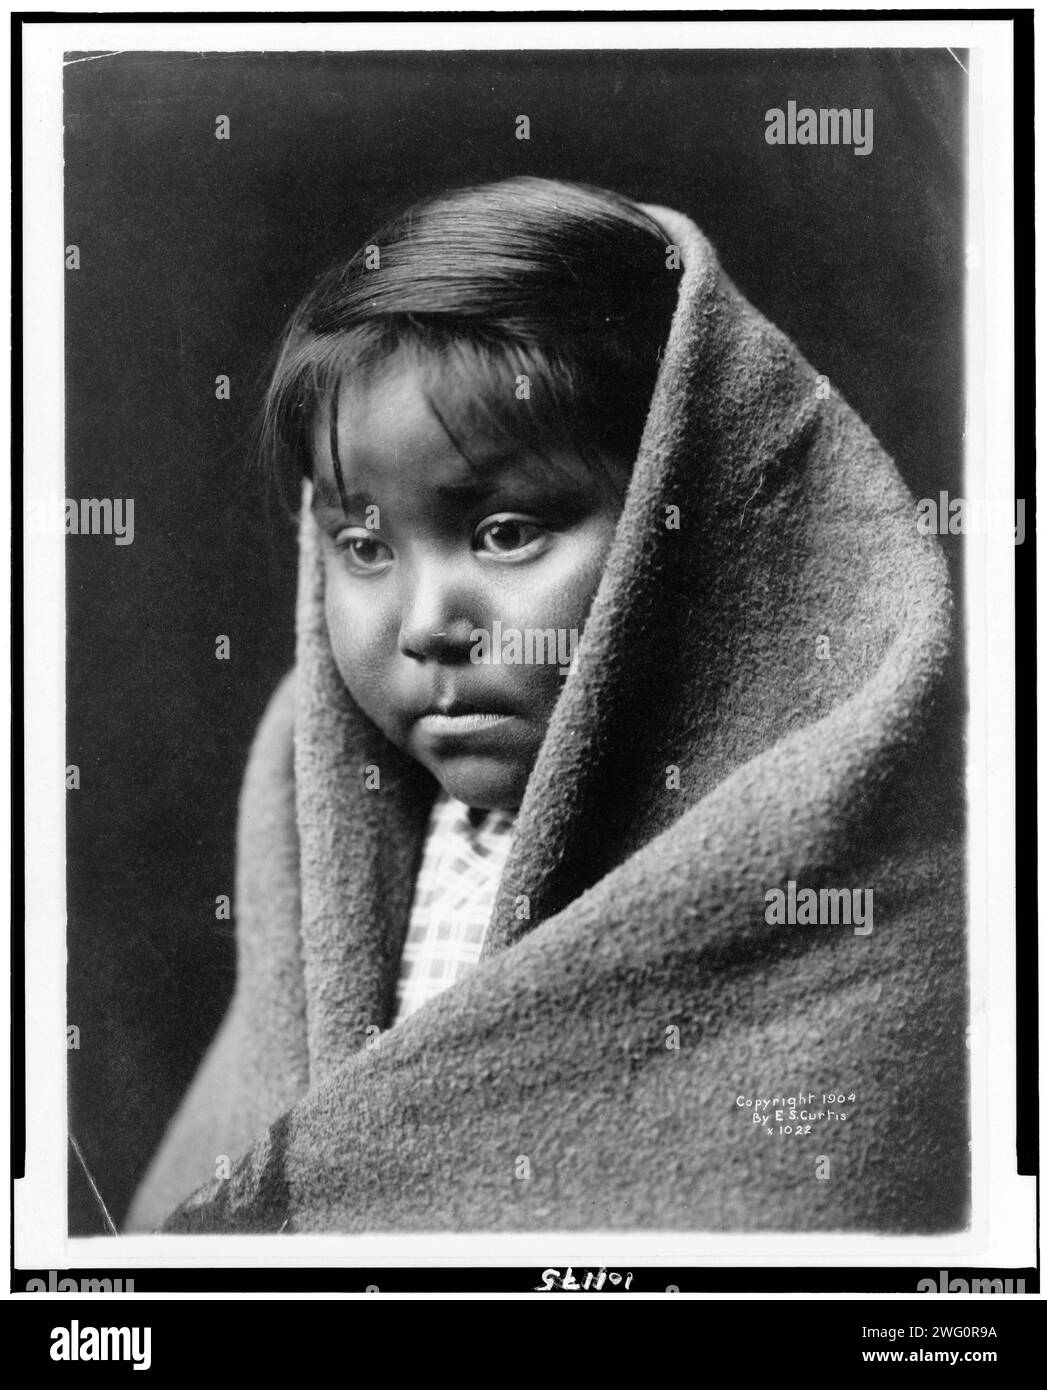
507, 535
364, 552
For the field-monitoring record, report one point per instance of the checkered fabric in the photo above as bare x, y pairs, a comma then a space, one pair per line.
465, 852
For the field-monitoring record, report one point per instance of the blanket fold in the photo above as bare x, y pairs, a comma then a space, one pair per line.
643, 1044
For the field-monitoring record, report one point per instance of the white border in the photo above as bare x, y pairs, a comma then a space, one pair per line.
1002, 1233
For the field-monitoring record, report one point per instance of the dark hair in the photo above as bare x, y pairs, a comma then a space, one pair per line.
563, 283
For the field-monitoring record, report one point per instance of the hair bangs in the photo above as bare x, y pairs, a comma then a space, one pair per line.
535, 312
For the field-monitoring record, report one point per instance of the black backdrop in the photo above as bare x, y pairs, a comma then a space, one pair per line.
193, 252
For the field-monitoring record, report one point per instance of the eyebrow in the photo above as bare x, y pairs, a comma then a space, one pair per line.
333, 496
328, 498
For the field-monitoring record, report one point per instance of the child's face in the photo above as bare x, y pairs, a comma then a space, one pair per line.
431, 552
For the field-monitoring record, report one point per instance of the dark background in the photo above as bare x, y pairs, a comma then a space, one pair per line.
193, 253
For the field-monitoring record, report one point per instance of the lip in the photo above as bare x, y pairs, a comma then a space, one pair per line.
462, 722
456, 704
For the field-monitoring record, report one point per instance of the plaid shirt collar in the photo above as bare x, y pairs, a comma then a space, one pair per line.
465, 853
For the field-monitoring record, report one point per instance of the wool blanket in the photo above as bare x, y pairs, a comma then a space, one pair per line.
724, 983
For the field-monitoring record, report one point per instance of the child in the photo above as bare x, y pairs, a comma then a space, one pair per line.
558, 850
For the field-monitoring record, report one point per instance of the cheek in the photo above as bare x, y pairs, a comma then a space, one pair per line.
591, 560
358, 633
557, 594
568, 587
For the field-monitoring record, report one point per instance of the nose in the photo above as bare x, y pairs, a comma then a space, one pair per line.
438, 614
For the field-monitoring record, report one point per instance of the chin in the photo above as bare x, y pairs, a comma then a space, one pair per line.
487, 787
